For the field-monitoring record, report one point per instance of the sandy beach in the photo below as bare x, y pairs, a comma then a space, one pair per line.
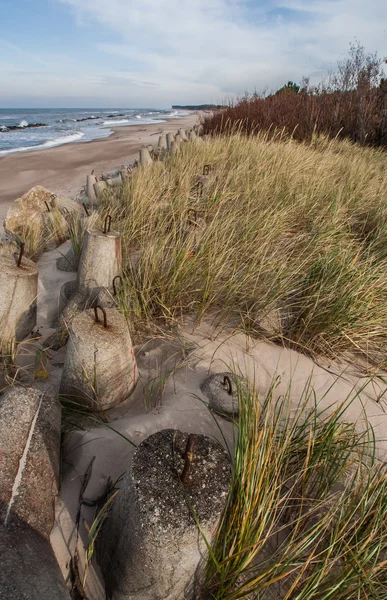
63, 169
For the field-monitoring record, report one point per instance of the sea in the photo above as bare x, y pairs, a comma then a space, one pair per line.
63, 126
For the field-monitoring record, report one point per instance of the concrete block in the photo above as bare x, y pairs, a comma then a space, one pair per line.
27, 211
175, 147
101, 260
221, 389
67, 291
151, 545
68, 262
162, 142
145, 157
183, 134
170, 139
90, 191
114, 181
29, 570
30, 431
99, 188
125, 173
18, 296
192, 136
100, 369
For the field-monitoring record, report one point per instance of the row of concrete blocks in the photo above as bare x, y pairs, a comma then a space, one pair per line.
167, 143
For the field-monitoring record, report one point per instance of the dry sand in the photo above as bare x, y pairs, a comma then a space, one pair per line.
63, 170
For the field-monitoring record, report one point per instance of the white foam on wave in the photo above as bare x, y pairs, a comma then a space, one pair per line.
49, 144
23, 123
116, 122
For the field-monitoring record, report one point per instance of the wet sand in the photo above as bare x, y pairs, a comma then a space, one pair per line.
63, 169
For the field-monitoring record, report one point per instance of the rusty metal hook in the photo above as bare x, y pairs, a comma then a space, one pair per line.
188, 456
199, 188
18, 257
227, 381
195, 215
206, 169
86, 209
47, 206
107, 225
114, 284
103, 312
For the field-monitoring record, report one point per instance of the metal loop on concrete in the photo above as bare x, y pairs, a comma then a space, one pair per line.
195, 215
85, 209
206, 169
188, 457
227, 382
18, 257
64, 211
199, 189
114, 284
107, 225
103, 312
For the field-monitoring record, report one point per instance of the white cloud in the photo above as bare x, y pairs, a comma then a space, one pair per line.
181, 51
221, 47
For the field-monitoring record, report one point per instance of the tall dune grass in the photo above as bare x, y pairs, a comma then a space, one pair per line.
305, 517
287, 239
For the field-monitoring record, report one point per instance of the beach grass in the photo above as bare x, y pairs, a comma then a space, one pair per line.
306, 512
283, 239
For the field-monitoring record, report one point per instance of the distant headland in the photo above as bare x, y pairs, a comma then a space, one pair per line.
197, 106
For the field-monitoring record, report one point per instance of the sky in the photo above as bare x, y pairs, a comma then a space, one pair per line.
155, 53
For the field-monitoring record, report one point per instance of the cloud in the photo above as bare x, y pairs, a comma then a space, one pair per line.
227, 46
186, 51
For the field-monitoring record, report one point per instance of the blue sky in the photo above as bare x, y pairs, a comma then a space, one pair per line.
154, 53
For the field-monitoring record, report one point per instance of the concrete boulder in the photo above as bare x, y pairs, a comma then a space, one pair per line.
18, 298
30, 430
27, 212
100, 369
221, 389
68, 262
151, 546
28, 570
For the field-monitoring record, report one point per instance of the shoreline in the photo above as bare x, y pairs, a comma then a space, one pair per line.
63, 169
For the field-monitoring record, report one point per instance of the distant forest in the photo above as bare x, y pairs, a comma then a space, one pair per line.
197, 106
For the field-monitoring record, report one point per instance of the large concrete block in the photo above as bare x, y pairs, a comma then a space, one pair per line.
162, 142
99, 188
183, 134
90, 191
221, 390
101, 260
30, 430
27, 211
170, 139
100, 369
18, 298
151, 546
68, 262
28, 569
145, 157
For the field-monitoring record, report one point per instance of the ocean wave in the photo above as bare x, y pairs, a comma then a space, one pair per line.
116, 122
48, 144
23, 123
138, 117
